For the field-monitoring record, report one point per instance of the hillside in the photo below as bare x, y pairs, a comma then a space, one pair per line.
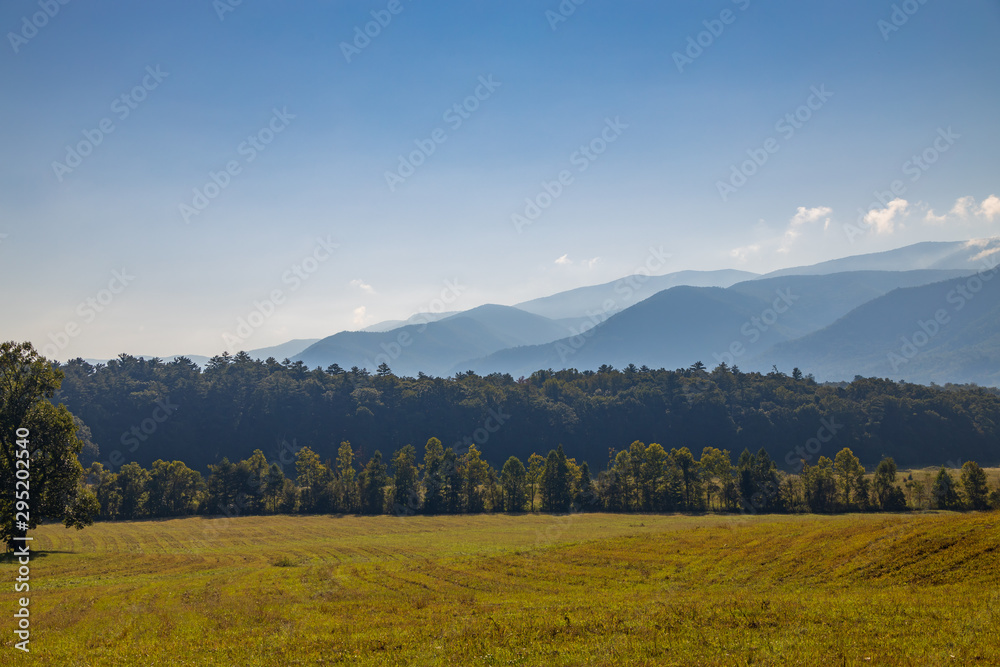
433, 348
683, 324
898, 336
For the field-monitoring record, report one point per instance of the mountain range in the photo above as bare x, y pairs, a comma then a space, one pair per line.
860, 315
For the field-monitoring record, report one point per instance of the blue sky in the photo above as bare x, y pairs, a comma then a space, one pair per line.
343, 122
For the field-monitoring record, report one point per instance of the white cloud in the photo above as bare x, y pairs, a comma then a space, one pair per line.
966, 208
990, 208
984, 254
936, 219
742, 254
802, 217
361, 316
884, 219
588, 263
363, 286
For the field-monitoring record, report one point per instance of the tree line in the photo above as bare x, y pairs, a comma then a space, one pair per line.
641, 478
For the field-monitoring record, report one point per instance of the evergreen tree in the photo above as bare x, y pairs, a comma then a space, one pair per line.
536, 466
555, 482
975, 486
315, 482
435, 492
373, 481
850, 474
475, 479
347, 499
586, 497
513, 479
405, 498
944, 491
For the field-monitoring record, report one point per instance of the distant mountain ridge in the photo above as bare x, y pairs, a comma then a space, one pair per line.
625, 292
834, 319
680, 325
947, 331
955, 255
434, 347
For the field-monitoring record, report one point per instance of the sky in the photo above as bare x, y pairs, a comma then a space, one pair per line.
199, 176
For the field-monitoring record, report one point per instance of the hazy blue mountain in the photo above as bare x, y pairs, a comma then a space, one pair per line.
436, 347
419, 318
898, 336
681, 325
671, 329
819, 300
967, 255
284, 350
620, 294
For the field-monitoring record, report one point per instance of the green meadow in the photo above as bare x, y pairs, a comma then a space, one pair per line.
585, 589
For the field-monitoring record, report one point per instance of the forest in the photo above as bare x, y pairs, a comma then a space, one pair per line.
260, 437
137, 410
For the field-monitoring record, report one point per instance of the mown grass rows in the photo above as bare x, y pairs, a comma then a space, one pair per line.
496, 590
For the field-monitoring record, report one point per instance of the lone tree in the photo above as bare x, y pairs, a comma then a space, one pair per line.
53, 473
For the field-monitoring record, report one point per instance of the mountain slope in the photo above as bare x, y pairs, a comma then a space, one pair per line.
681, 325
434, 348
943, 332
964, 255
625, 292
672, 328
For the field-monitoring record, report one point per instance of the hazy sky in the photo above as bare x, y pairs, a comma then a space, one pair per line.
170, 168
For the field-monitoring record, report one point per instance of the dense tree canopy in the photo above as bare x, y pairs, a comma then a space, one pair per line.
144, 410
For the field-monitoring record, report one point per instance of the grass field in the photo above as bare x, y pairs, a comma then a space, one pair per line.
517, 590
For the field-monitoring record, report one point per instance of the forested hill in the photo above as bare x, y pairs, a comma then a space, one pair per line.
141, 411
